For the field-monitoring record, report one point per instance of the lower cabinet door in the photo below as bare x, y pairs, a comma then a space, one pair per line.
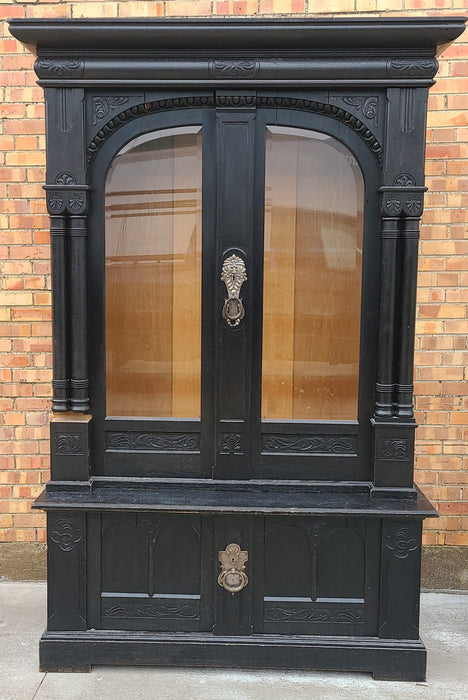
234, 575
320, 576
154, 573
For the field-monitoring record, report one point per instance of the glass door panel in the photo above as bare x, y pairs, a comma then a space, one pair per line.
153, 245
314, 203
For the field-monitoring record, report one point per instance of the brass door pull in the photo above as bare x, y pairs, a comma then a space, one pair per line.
233, 275
233, 577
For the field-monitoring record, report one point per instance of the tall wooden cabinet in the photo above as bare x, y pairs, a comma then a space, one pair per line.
234, 231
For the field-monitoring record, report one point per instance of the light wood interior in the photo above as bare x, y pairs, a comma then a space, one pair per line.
153, 277
312, 277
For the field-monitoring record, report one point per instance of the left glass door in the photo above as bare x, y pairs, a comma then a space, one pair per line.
151, 335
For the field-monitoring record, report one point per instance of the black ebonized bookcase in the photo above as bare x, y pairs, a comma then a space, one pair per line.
234, 231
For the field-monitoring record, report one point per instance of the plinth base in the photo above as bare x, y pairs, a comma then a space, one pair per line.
403, 660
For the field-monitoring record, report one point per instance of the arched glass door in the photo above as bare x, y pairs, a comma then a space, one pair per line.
256, 377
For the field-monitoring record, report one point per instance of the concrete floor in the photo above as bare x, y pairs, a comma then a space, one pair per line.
444, 628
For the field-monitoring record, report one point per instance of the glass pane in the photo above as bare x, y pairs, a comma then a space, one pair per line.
153, 276
312, 277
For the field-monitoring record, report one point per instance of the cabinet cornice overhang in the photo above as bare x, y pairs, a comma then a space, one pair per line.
305, 52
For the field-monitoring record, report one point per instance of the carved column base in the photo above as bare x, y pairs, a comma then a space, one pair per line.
69, 447
393, 453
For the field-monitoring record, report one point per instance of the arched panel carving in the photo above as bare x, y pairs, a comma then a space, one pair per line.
124, 557
341, 564
177, 561
288, 562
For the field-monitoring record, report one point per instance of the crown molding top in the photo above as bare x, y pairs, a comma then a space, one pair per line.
294, 34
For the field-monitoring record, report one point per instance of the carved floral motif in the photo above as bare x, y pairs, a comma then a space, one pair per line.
401, 541
394, 450
308, 443
65, 535
404, 180
160, 611
101, 106
397, 203
232, 444
279, 614
68, 444
154, 441
368, 106
233, 68
76, 201
424, 67
59, 68
55, 203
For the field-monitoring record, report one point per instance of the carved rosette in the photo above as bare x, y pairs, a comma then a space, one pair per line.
401, 541
65, 534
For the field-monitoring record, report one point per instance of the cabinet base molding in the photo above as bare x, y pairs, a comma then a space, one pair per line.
386, 659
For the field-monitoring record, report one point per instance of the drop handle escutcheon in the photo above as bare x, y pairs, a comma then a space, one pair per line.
233, 275
232, 576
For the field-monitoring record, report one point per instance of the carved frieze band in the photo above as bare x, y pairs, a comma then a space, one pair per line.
331, 110
156, 442
65, 534
59, 68
412, 67
403, 197
401, 541
309, 444
157, 610
233, 68
309, 614
65, 196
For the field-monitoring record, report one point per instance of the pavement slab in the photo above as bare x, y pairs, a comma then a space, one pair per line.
444, 629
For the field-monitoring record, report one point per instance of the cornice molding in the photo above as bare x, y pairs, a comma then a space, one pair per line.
254, 34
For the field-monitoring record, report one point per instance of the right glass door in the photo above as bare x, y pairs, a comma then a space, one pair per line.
313, 382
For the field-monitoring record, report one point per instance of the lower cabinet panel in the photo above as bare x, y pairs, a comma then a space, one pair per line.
305, 575
320, 576
152, 572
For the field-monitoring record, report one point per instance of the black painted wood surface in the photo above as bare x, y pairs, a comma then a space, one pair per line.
139, 509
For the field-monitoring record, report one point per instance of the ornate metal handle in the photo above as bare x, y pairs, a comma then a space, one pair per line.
233, 275
233, 577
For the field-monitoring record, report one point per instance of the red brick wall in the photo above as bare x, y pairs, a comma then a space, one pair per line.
25, 330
